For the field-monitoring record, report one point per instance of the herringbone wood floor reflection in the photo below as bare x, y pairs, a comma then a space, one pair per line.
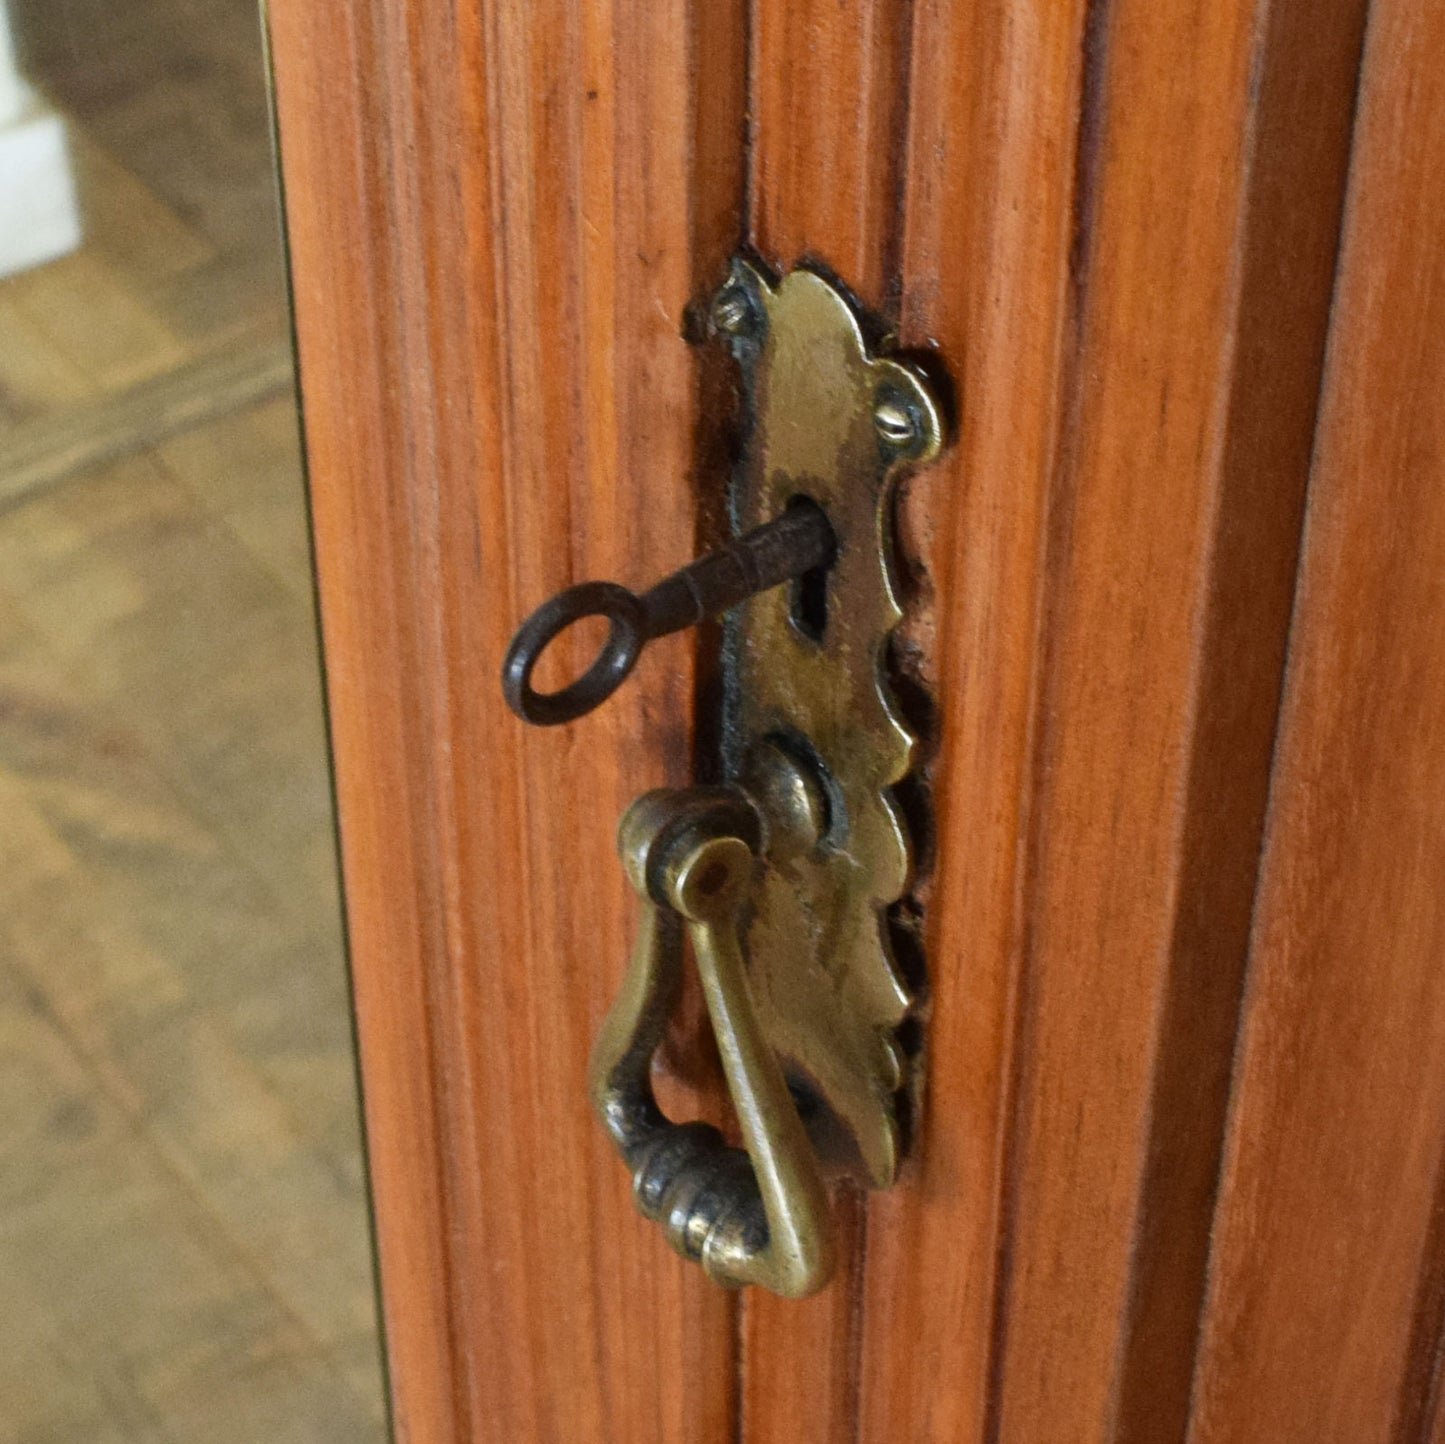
184, 1250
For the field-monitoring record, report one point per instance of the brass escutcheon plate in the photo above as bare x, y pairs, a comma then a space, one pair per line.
805, 671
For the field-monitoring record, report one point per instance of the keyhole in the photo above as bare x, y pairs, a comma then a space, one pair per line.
808, 594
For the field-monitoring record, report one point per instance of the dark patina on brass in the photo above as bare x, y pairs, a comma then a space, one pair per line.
782, 878
834, 423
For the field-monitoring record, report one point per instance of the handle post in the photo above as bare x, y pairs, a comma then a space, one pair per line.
755, 1215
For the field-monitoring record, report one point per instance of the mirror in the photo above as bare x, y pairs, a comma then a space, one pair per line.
184, 1242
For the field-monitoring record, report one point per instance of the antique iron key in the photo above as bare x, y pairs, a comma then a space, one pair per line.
797, 542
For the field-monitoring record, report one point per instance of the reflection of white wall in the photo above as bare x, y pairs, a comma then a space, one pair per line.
39, 219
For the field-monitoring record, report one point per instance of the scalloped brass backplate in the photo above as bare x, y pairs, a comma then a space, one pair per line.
806, 675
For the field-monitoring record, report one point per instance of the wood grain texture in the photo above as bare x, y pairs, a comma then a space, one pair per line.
1324, 1318
1114, 562
1097, 205
992, 149
828, 104
1117, 222
497, 215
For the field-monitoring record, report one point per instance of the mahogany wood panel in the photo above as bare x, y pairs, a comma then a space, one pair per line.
1208, 162
1325, 1303
828, 94
993, 147
1116, 220
1118, 223
828, 106
498, 213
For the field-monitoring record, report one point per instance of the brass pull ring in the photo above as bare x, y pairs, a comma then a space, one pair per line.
755, 1215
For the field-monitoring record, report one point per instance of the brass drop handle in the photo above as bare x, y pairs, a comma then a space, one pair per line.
798, 541
755, 1215
790, 882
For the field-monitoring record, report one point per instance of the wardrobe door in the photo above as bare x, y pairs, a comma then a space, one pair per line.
1173, 1172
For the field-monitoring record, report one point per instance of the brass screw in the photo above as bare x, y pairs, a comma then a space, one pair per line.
895, 422
732, 311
